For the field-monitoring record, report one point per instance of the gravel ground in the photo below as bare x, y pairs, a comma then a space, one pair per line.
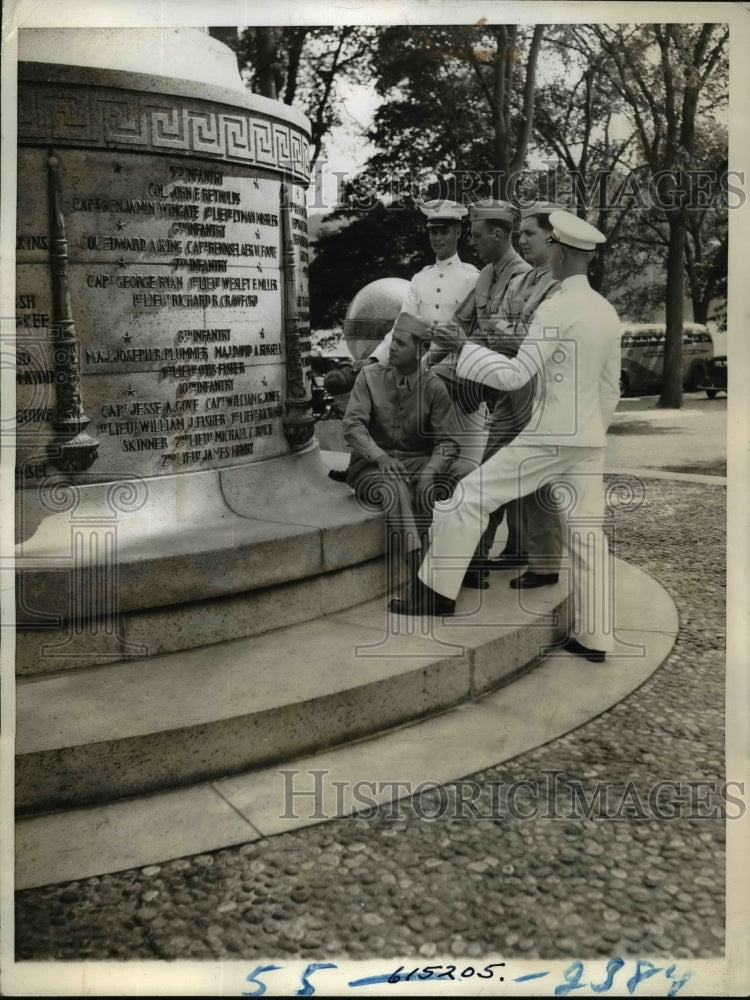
531, 888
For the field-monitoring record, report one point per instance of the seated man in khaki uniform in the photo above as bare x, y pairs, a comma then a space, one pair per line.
433, 296
400, 428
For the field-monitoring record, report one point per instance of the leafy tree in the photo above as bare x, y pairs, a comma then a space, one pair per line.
302, 66
669, 75
582, 120
580, 123
458, 98
459, 101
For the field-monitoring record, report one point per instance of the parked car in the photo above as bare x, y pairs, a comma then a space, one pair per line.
716, 377
642, 356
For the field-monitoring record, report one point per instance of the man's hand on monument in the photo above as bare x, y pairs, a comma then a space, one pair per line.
448, 335
392, 467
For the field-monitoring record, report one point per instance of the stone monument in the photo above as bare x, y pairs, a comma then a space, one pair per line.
191, 586
162, 267
170, 490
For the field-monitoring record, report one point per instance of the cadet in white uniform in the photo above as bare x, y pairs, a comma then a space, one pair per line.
573, 348
437, 290
434, 295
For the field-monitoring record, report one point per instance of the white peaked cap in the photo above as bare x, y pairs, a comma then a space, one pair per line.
443, 211
573, 232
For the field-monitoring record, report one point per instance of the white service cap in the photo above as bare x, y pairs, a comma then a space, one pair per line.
573, 232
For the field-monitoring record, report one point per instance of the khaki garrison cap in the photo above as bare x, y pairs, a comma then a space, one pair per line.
493, 211
440, 212
406, 323
573, 232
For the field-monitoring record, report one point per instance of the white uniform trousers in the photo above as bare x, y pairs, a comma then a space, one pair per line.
575, 474
472, 434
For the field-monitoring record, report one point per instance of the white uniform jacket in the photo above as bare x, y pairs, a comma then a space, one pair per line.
573, 345
434, 294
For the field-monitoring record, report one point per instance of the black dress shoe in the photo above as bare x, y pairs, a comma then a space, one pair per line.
506, 560
338, 475
422, 601
529, 580
574, 646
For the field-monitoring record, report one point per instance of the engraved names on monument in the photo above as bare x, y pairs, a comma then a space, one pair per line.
175, 282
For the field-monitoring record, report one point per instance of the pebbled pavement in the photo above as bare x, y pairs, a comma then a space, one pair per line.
626, 883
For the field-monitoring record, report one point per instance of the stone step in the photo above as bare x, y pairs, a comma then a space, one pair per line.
132, 727
263, 525
559, 695
137, 635
291, 544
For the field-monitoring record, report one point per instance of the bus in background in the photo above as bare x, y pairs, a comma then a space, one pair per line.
642, 356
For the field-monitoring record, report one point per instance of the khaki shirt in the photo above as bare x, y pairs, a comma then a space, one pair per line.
388, 414
525, 293
483, 304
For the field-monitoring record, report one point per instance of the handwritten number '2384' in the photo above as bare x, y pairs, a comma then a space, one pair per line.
644, 970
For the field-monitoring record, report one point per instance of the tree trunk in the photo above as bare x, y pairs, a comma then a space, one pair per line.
499, 120
671, 389
266, 70
700, 310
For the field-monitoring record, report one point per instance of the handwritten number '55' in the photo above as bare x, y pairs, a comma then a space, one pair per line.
307, 987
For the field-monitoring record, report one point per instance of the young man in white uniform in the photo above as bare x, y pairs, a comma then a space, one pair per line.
437, 290
433, 296
573, 347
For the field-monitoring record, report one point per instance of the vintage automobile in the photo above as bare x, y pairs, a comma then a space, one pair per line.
715, 380
642, 356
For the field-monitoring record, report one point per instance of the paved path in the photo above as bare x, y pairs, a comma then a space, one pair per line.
624, 882
692, 439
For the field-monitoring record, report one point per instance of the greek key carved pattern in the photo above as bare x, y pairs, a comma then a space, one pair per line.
263, 142
66, 114
169, 129
121, 122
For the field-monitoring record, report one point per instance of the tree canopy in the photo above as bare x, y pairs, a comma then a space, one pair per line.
302, 66
625, 124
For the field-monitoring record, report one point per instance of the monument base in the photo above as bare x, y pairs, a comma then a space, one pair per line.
137, 568
129, 728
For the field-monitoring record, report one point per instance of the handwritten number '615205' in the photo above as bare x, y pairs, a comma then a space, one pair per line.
430, 972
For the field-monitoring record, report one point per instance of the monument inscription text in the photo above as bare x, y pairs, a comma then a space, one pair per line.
175, 281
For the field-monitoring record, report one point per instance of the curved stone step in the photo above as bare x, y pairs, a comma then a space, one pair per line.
131, 727
162, 539
290, 543
562, 693
139, 634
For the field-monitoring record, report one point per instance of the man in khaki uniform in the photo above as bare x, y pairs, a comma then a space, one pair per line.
491, 231
433, 296
399, 425
534, 531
